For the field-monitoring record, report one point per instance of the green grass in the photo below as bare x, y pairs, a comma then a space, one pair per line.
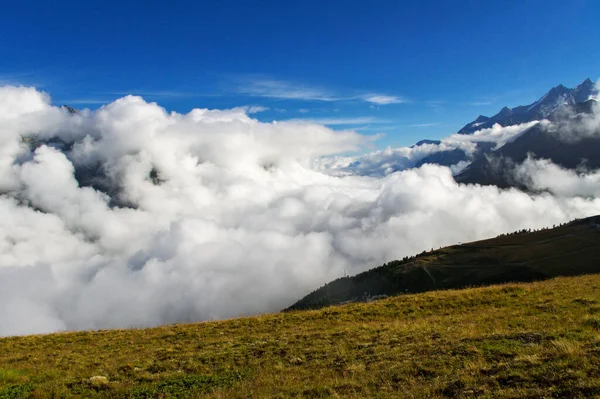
509, 341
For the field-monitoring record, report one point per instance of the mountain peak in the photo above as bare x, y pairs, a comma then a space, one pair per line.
540, 109
584, 91
504, 112
71, 110
559, 89
585, 84
426, 141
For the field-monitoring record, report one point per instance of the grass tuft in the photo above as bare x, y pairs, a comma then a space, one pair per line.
12, 376
565, 347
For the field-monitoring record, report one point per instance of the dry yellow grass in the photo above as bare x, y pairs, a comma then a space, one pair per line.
509, 341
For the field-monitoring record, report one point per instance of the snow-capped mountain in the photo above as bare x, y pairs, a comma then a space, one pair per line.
563, 127
569, 139
541, 109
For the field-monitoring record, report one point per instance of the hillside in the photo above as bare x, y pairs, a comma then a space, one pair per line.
524, 256
518, 340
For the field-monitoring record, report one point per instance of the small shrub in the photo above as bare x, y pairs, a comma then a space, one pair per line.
593, 322
16, 391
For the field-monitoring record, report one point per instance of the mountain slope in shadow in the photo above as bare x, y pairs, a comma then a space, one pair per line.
567, 143
567, 250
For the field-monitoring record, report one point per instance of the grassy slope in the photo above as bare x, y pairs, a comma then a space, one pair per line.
568, 250
517, 340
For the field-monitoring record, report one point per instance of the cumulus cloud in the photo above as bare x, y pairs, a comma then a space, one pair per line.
132, 216
379, 163
572, 126
543, 175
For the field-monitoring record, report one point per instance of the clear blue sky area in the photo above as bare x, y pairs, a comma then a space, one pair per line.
411, 70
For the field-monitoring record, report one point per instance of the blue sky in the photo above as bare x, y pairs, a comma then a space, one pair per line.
410, 70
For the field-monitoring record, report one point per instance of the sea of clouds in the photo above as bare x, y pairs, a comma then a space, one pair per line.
391, 160
213, 214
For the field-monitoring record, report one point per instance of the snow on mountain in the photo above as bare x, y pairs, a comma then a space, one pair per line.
540, 109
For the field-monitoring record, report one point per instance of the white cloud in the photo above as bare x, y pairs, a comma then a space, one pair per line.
390, 160
425, 124
281, 89
496, 134
381, 99
272, 88
573, 127
543, 175
255, 109
239, 217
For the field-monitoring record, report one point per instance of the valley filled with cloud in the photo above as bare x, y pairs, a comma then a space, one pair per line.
133, 216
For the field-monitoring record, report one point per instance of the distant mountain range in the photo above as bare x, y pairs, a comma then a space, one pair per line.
565, 145
558, 96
